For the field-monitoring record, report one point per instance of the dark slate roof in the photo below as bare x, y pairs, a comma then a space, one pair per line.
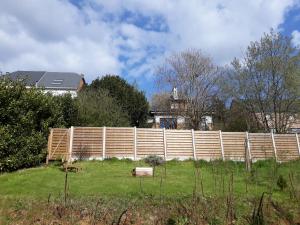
29, 77
60, 80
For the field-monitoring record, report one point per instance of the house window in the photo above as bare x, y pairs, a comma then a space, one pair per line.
168, 123
57, 82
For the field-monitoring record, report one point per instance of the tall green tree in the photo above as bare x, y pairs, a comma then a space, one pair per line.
69, 109
266, 81
97, 108
127, 96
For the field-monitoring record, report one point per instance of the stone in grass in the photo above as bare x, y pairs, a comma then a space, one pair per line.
142, 172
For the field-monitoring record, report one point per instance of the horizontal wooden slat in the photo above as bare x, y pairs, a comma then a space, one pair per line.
119, 142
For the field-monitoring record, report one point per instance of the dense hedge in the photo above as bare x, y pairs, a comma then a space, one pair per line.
25, 118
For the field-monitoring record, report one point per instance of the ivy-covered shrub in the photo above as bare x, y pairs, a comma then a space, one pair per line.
26, 114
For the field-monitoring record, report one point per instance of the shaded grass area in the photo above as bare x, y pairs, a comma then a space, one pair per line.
178, 189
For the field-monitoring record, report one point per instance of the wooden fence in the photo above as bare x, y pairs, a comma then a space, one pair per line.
136, 143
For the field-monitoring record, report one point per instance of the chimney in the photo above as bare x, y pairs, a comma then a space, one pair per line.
175, 93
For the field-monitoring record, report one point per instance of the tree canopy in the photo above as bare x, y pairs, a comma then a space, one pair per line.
97, 108
266, 81
132, 101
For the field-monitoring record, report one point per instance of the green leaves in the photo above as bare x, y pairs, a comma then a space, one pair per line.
25, 118
132, 101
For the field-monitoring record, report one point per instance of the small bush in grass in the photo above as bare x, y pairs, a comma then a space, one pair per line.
154, 160
281, 183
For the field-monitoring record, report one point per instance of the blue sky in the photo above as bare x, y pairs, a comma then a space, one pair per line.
132, 37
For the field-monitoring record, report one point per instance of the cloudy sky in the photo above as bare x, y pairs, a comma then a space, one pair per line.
131, 37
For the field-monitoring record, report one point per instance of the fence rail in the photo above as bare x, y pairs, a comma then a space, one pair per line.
137, 143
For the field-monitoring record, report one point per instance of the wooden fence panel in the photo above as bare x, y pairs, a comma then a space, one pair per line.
87, 142
286, 146
58, 148
208, 145
150, 142
179, 144
119, 142
261, 146
234, 145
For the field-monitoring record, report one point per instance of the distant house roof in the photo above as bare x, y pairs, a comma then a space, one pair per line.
48, 80
29, 77
59, 80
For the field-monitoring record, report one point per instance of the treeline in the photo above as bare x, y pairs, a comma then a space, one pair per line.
260, 91
27, 114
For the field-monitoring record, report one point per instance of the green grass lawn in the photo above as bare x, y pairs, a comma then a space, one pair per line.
112, 178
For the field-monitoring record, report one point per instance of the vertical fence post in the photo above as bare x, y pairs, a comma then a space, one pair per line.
165, 143
222, 147
134, 156
298, 144
193, 142
71, 143
274, 145
248, 145
103, 142
49, 145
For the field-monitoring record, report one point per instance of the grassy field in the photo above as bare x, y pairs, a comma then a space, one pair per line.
175, 180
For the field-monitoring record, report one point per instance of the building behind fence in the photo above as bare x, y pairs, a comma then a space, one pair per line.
137, 143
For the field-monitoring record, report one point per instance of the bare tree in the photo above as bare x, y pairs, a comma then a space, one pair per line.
161, 102
266, 81
194, 75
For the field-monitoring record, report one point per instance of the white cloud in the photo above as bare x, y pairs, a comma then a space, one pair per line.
296, 38
101, 36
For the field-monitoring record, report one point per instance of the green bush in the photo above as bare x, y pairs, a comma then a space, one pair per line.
154, 161
281, 182
25, 118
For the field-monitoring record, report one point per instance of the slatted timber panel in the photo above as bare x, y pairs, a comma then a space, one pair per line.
87, 142
150, 142
119, 142
261, 146
234, 145
208, 145
179, 144
286, 147
58, 147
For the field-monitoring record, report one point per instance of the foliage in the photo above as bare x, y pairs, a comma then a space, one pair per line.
281, 182
68, 108
132, 101
25, 118
97, 108
266, 82
238, 119
154, 160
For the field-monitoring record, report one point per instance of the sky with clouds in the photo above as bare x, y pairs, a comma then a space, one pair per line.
132, 37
